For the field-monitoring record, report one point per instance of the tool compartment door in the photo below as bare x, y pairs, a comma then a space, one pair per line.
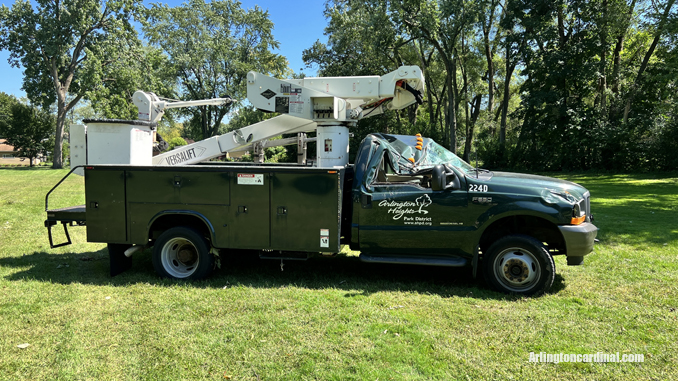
306, 210
250, 210
105, 205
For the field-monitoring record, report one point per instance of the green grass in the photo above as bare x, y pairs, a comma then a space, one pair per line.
335, 318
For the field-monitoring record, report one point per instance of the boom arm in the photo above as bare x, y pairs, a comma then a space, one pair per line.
336, 99
304, 104
151, 107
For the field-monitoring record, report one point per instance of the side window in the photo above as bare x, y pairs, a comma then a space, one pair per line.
387, 175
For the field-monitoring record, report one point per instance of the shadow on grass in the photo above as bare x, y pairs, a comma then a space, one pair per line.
244, 269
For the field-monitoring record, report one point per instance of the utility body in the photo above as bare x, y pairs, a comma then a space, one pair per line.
404, 200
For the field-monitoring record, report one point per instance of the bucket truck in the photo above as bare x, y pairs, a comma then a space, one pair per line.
405, 199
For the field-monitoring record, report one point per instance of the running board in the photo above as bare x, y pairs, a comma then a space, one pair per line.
418, 260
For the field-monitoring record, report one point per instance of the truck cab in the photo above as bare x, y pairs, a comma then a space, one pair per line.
416, 202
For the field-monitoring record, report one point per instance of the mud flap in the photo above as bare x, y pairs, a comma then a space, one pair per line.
119, 263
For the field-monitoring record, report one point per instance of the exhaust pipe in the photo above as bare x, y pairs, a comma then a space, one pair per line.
132, 250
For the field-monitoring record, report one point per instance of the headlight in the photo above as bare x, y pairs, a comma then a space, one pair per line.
578, 215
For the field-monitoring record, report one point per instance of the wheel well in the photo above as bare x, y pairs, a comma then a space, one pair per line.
536, 227
173, 220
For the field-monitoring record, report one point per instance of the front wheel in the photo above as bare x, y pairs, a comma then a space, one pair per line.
519, 264
182, 253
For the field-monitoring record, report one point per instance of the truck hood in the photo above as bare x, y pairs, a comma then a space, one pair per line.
510, 182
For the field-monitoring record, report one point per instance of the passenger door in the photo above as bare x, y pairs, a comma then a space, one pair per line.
404, 217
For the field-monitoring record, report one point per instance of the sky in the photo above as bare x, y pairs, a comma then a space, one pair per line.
298, 24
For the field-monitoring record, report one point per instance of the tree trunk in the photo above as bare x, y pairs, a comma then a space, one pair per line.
467, 117
488, 56
470, 131
603, 60
510, 66
62, 110
429, 94
617, 62
452, 105
619, 46
646, 60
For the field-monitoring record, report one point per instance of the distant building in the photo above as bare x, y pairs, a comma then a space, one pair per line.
8, 156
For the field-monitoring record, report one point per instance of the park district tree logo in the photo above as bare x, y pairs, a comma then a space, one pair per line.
401, 208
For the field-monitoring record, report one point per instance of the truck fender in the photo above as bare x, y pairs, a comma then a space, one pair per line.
192, 213
490, 216
490, 221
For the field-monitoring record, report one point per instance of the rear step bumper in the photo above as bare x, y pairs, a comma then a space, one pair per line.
418, 260
72, 215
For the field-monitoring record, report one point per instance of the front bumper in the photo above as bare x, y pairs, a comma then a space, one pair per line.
579, 239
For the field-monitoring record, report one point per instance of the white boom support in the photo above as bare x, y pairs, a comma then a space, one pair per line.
234, 140
151, 107
329, 105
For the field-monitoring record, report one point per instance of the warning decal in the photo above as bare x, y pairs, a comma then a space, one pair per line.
250, 179
282, 105
324, 237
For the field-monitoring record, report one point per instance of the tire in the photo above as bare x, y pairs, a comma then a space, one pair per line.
519, 264
182, 253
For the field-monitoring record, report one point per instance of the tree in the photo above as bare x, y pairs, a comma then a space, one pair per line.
176, 142
211, 47
66, 47
659, 30
6, 103
30, 130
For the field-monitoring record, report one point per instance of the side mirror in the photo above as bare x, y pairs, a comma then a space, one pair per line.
439, 177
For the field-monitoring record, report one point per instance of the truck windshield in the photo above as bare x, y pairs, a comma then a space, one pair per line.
436, 154
407, 158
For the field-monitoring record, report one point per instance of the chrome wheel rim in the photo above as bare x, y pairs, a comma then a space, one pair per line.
180, 257
517, 269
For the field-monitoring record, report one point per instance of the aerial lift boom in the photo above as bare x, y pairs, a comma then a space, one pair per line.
327, 105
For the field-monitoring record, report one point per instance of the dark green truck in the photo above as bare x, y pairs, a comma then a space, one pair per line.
406, 200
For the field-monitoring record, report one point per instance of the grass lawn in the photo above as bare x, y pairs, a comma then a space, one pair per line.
336, 318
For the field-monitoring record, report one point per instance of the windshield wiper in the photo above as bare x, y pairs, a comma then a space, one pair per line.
479, 170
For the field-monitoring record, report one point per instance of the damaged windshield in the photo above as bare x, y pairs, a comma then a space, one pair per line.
408, 159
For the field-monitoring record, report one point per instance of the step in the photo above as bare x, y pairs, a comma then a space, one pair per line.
416, 260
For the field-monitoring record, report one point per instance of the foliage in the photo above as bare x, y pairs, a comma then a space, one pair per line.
210, 48
170, 130
245, 116
531, 84
6, 103
30, 130
176, 142
75, 47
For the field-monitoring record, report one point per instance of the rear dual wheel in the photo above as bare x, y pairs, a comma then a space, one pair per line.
519, 264
182, 253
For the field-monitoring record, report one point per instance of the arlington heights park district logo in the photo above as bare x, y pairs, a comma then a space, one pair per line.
408, 208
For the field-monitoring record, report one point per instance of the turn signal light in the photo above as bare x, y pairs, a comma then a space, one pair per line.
411, 159
578, 220
418, 147
418, 135
420, 140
